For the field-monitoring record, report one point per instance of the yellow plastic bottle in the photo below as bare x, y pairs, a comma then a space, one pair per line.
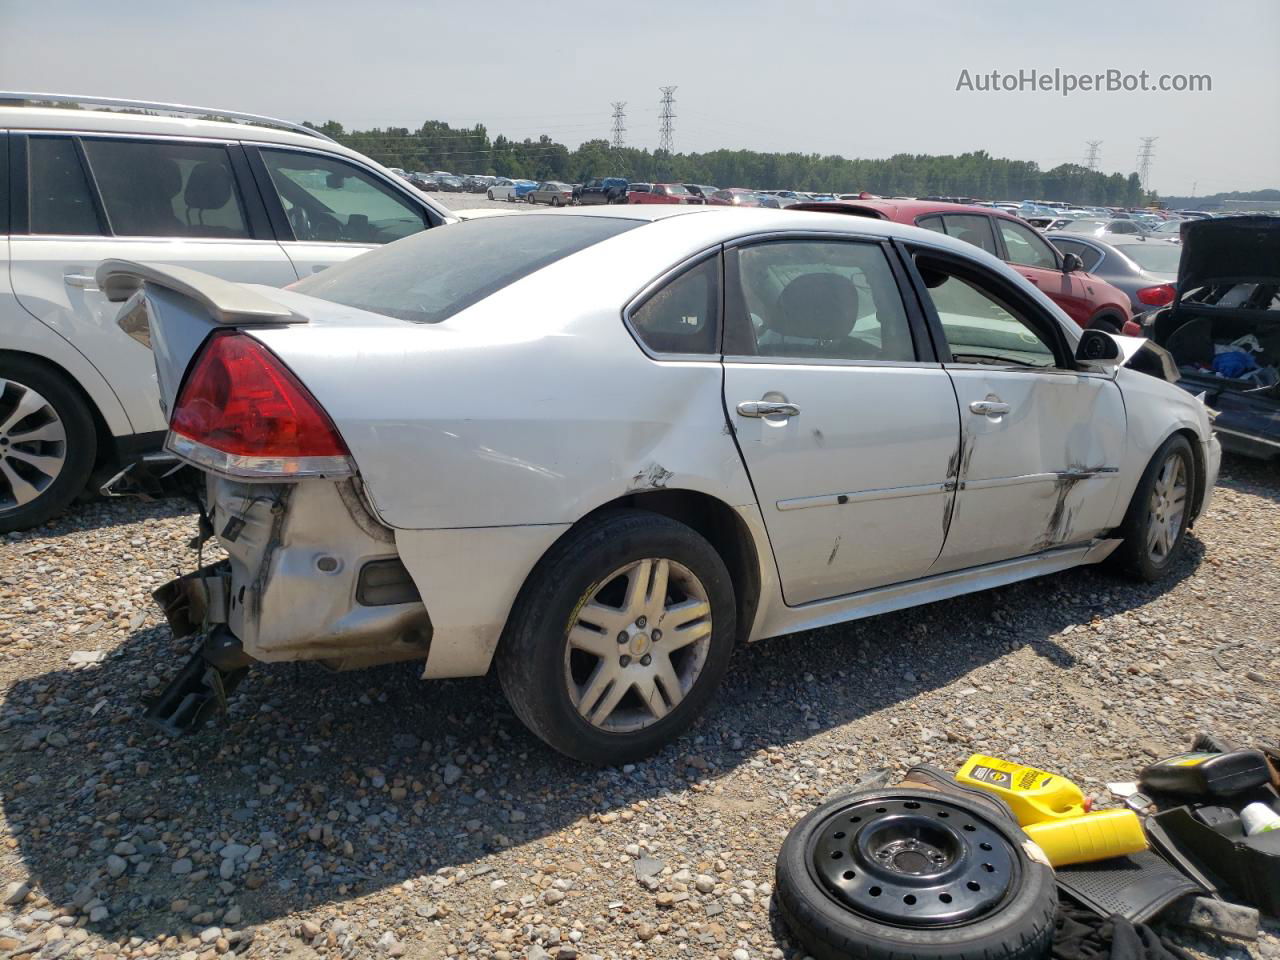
1093, 836
1033, 795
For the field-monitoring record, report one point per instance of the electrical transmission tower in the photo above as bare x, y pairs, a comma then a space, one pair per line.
619, 125
1146, 153
667, 117
1091, 161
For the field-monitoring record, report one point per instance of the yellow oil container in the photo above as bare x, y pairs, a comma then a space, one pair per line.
1092, 836
1033, 795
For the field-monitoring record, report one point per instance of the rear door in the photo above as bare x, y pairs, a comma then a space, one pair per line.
1041, 442
171, 201
326, 209
846, 422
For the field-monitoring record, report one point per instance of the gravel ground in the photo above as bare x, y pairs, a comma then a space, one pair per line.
369, 814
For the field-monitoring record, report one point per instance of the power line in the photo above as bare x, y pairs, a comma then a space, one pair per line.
1146, 153
619, 127
1091, 161
666, 131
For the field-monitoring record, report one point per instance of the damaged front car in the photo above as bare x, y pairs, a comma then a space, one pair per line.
1223, 329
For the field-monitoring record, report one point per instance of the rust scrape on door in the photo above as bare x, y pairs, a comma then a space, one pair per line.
1058, 529
957, 464
652, 477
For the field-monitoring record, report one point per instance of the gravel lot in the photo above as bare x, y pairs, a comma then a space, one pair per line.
369, 814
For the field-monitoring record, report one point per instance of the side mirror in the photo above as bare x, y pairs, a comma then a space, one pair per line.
1071, 263
1097, 348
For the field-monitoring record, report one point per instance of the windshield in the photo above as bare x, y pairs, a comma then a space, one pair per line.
430, 277
1158, 256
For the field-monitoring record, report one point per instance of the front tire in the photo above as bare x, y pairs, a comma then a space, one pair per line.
1155, 526
489, 194
47, 443
619, 637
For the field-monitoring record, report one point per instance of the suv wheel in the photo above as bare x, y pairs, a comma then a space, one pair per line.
1107, 323
47, 444
619, 638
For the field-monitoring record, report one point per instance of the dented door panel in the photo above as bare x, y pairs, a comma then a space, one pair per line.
855, 489
1043, 474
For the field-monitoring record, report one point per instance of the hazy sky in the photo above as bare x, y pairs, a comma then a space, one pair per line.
862, 79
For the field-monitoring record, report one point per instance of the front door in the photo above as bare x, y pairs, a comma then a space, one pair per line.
848, 428
1041, 442
1033, 257
333, 210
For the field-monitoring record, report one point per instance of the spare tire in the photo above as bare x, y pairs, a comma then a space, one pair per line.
905, 874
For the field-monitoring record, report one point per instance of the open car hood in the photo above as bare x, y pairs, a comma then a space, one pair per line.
1229, 248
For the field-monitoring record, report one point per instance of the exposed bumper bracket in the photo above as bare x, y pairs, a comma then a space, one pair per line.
202, 686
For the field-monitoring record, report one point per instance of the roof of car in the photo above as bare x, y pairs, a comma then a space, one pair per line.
904, 210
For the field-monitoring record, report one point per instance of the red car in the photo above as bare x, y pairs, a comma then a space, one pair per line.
660, 193
734, 197
1087, 300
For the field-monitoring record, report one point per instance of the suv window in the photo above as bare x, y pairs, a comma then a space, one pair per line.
681, 317
58, 190
163, 189
434, 275
971, 228
980, 326
1026, 247
831, 300
330, 200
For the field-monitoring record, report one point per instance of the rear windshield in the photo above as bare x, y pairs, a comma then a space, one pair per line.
432, 275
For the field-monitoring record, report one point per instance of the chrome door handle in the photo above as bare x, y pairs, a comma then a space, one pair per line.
82, 280
988, 408
766, 408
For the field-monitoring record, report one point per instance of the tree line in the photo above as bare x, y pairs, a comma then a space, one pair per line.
438, 146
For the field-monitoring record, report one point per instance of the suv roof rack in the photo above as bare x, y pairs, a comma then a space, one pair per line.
8, 98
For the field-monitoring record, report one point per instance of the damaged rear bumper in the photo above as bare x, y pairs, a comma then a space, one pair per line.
309, 575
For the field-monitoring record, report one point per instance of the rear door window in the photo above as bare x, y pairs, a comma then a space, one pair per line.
971, 228
330, 200
58, 190
1089, 256
817, 299
153, 188
434, 275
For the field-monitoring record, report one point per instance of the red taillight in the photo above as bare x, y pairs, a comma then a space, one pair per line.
242, 412
1157, 296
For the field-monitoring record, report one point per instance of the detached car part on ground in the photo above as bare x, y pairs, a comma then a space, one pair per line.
1223, 328
925, 869
598, 449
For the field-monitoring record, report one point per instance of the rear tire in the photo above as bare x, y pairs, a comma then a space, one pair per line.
48, 444
1155, 526
489, 194
1106, 323
619, 637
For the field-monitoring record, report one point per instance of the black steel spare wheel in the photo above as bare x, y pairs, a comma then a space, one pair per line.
901, 873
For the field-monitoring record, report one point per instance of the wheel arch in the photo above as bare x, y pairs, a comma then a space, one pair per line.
720, 525
106, 441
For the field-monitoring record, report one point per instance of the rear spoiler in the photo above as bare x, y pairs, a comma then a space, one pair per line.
227, 303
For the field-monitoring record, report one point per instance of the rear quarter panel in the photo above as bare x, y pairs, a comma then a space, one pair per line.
534, 406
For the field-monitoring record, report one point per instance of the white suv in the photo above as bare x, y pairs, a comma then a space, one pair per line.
243, 197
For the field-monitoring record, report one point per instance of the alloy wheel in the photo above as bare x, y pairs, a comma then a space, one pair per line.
636, 645
33, 444
1167, 505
